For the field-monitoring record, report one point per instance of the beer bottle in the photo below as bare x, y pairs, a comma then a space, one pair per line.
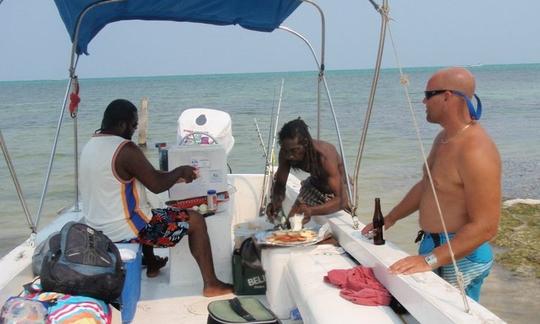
378, 223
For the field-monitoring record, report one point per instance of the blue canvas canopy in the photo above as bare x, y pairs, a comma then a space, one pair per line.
259, 15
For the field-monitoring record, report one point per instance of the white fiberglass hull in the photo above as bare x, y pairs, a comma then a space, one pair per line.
175, 295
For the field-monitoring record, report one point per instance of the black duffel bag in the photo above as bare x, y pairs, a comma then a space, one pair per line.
83, 261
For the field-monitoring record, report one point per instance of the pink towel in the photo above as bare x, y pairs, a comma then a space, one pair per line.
359, 286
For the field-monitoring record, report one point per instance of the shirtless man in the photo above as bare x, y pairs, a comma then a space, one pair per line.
466, 170
322, 193
114, 174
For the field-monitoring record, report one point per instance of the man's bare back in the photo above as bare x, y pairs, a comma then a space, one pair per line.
328, 157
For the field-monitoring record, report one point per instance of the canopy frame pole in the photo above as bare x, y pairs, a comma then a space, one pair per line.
320, 66
53, 153
72, 68
383, 10
329, 97
16, 183
75, 40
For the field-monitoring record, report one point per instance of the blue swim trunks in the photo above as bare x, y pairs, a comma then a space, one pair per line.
475, 267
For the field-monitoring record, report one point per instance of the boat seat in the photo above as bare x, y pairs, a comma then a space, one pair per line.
319, 302
274, 261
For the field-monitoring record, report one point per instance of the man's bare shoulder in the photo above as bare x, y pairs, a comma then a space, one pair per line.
479, 146
325, 148
128, 147
130, 153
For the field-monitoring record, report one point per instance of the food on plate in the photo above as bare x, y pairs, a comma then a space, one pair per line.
291, 237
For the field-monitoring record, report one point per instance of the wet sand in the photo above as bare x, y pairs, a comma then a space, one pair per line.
513, 298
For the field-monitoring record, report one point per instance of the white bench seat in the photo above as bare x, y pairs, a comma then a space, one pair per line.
319, 302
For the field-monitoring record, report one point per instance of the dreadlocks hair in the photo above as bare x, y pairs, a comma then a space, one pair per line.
297, 128
118, 111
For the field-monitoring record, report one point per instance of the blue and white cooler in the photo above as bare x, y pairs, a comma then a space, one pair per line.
132, 258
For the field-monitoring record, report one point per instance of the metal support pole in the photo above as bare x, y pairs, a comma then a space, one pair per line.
16, 183
322, 78
384, 20
321, 65
76, 206
53, 153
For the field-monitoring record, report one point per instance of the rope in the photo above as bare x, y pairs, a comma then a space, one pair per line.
404, 81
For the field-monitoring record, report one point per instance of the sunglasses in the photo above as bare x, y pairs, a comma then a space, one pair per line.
431, 93
475, 113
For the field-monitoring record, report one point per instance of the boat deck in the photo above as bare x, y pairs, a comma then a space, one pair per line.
173, 303
175, 296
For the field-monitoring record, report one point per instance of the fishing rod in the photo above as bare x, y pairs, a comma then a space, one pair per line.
263, 201
265, 155
261, 143
270, 157
272, 151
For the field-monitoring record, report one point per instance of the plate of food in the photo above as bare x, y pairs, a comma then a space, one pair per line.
288, 238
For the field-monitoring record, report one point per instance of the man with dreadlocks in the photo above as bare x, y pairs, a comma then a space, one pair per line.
324, 191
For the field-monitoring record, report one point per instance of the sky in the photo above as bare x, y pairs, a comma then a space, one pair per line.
34, 44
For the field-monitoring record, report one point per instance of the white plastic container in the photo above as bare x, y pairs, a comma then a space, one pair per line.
212, 164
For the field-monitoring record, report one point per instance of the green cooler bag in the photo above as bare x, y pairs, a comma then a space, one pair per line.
248, 275
240, 310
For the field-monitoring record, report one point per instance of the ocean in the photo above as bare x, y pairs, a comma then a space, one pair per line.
391, 162
29, 113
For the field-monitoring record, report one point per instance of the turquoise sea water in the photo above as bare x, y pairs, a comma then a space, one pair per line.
29, 113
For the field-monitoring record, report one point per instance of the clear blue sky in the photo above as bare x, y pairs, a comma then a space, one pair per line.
35, 45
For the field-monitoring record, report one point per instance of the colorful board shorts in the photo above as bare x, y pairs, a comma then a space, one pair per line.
475, 267
166, 228
310, 195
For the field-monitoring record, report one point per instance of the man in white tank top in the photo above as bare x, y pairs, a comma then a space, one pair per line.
113, 175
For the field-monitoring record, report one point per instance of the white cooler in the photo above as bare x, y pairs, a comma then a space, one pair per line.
211, 161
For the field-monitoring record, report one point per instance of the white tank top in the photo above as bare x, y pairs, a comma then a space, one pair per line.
118, 208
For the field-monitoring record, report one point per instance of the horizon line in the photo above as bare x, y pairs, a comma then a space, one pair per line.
476, 65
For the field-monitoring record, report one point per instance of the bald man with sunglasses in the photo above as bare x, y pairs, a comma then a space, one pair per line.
466, 170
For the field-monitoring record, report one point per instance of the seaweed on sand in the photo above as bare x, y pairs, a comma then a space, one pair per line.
519, 239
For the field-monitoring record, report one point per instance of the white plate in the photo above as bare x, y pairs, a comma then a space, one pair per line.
263, 236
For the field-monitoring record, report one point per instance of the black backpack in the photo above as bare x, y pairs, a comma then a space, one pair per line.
83, 261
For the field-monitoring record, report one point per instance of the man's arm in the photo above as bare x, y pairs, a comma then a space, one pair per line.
480, 169
131, 163
278, 187
408, 205
411, 202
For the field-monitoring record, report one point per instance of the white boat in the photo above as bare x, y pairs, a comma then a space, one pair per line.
294, 275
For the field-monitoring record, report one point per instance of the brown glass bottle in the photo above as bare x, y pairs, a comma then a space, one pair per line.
378, 224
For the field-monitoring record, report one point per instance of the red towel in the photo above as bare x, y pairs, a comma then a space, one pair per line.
359, 286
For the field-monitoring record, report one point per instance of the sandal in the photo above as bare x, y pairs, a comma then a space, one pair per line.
152, 270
